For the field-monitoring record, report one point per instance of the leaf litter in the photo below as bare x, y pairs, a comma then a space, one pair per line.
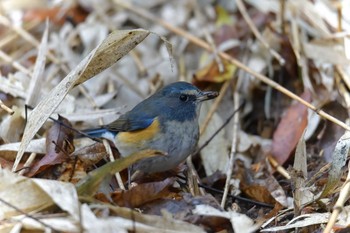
91, 61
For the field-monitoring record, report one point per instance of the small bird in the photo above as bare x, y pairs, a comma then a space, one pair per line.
166, 121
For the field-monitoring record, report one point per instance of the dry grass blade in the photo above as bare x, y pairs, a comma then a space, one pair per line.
114, 47
257, 34
300, 167
91, 183
37, 77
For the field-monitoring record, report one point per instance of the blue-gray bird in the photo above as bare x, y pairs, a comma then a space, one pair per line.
166, 121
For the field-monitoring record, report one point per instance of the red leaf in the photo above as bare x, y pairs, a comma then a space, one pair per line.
289, 130
59, 145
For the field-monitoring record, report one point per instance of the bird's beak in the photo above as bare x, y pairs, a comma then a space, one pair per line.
206, 95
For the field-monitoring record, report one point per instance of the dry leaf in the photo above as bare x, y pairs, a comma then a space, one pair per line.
113, 48
339, 157
289, 130
59, 146
142, 193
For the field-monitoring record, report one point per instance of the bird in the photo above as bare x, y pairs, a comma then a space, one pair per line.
166, 121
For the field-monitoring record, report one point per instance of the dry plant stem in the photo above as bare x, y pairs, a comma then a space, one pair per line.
28, 163
318, 174
256, 33
344, 76
192, 182
27, 36
15, 64
283, 20
193, 179
7, 109
209, 38
343, 91
339, 205
140, 66
111, 158
210, 114
278, 167
214, 106
83, 90
12, 37
129, 84
203, 44
236, 99
339, 18
215, 51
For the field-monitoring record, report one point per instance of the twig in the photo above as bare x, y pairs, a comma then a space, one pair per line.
203, 44
86, 94
27, 164
233, 150
256, 33
282, 16
339, 205
208, 37
139, 64
193, 179
219, 191
278, 167
27, 36
343, 75
214, 106
15, 64
13, 36
220, 128
111, 158
7, 109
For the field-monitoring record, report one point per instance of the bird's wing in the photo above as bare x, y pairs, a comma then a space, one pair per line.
140, 117
126, 123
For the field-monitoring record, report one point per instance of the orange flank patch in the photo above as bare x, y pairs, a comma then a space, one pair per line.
138, 136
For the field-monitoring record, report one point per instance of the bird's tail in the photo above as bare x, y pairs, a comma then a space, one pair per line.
98, 133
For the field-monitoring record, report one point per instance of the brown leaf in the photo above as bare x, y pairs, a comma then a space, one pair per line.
143, 193
259, 193
289, 130
264, 188
91, 154
59, 145
110, 50
182, 208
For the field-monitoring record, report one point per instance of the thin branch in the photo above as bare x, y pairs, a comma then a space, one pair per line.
201, 43
233, 150
7, 58
7, 109
220, 128
339, 205
111, 158
219, 191
256, 33
214, 106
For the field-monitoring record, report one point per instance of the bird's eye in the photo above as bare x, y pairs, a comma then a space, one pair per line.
184, 98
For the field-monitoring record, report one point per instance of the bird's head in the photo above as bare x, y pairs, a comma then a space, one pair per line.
181, 100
